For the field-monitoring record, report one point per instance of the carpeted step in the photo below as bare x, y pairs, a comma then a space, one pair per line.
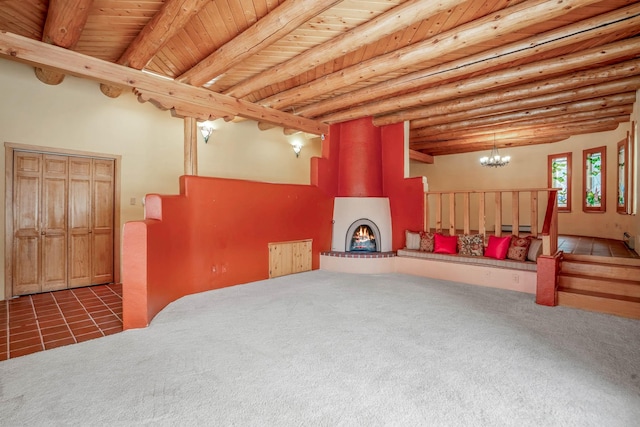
630, 288
601, 302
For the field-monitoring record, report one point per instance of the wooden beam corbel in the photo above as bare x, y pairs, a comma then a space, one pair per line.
420, 157
265, 126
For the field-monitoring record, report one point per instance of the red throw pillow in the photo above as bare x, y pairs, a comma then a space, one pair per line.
497, 247
445, 244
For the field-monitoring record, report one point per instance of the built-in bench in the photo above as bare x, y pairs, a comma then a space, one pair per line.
475, 270
474, 260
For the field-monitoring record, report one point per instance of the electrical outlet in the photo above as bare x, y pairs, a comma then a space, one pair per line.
516, 278
132, 201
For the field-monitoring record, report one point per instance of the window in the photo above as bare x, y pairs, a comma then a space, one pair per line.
594, 180
623, 177
560, 177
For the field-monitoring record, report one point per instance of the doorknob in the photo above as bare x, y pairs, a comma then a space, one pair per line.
43, 232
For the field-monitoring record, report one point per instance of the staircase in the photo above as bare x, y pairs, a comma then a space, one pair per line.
603, 284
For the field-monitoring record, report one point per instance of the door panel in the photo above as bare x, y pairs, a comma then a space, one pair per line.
79, 222
102, 259
27, 253
54, 223
26, 266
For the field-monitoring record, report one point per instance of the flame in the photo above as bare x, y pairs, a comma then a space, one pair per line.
363, 234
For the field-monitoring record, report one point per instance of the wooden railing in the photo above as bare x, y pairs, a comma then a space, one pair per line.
460, 218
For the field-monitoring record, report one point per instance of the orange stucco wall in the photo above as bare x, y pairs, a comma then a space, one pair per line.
216, 232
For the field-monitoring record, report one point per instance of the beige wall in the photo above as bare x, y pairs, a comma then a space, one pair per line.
528, 169
75, 115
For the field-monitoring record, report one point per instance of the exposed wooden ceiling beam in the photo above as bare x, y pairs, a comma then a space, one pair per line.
63, 27
508, 20
621, 111
274, 26
528, 73
593, 28
541, 94
22, 49
384, 25
420, 157
511, 143
585, 126
165, 24
525, 115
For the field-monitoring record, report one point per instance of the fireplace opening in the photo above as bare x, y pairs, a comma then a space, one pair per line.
363, 236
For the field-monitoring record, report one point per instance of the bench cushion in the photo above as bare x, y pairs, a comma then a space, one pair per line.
492, 262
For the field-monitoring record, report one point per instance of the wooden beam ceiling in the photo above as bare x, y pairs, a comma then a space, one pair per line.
382, 26
492, 26
458, 70
601, 26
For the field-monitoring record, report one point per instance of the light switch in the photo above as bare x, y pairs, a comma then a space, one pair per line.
132, 201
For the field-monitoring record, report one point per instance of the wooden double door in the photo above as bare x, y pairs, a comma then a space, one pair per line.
63, 222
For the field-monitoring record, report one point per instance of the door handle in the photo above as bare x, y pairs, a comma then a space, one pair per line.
43, 232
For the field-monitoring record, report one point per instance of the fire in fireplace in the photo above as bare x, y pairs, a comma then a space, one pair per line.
362, 237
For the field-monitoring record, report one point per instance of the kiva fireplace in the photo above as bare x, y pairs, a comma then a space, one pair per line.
361, 224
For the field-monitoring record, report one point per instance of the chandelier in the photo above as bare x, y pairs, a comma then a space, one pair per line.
495, 160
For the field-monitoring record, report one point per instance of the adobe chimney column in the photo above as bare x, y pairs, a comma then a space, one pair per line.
360, 164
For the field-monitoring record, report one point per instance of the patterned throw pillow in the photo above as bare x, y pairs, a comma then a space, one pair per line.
519, 248
471, 244
413, 240
426, 241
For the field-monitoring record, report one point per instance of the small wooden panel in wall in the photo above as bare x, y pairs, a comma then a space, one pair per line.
289, 257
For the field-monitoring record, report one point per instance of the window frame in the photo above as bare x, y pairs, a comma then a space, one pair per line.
550, 160
603, 179
624, 179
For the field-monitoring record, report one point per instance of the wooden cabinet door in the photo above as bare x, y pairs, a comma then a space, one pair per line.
27, 253
53, 231
289, 257
79, 221
102, 215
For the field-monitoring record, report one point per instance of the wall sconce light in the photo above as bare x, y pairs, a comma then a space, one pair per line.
206, 130
296, 148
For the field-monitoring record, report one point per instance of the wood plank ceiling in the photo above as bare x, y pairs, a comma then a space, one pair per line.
466, 74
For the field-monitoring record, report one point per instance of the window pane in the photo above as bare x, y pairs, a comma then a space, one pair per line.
559, 179
594, 179
559, 176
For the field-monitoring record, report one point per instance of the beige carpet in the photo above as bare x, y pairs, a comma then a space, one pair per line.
327, 349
